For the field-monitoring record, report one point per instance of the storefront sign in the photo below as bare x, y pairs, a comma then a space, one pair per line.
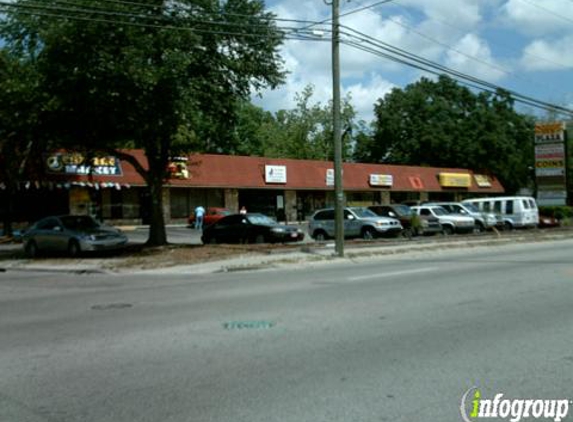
482, 180
455, 180
275, 174
78, 164
381, 180
178, 168
416, 182
552, 197
551, 167
329, 177
549, 151
549, 132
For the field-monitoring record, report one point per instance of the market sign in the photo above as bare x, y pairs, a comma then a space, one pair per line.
482, 180
381, 180
275, 174
79, 165
455, 180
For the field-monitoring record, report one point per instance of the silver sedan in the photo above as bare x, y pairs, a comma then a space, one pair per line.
73, 234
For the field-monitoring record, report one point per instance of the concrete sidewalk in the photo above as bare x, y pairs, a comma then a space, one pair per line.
250, 258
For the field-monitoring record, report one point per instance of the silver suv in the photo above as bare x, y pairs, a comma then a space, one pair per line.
358, 222
484, 220
451, 223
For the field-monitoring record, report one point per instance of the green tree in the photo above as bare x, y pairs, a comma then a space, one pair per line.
20, 134
440, 123
304, 132
165, 76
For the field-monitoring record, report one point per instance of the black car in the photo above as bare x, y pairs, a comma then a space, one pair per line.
413, 225
250, 228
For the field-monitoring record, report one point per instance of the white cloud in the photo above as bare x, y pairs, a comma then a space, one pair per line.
365, 94
538, 18
547, 55
473, 56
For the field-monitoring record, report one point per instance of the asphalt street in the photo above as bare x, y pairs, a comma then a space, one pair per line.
399, 338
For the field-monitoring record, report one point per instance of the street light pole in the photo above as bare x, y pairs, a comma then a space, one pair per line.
337, 138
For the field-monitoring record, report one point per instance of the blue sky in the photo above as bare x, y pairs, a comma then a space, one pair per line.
521, 45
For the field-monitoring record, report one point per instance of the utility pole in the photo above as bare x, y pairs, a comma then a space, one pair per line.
338, 190
336, 131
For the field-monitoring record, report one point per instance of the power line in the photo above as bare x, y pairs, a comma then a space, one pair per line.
401, 56
551, 12
357, 40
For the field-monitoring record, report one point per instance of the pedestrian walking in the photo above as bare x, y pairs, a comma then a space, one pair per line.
199, 214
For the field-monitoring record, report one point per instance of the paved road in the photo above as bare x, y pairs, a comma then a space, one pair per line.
396, 339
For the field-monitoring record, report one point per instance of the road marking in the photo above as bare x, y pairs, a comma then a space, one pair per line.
392, 274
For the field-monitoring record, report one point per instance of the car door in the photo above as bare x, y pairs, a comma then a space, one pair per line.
230, 229
51, 236
352, 225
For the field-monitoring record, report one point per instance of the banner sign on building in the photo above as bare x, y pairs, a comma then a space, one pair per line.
275, 174
550, 163
381, 180
177, 168
329, 177
79, 165
482, 180
455, 180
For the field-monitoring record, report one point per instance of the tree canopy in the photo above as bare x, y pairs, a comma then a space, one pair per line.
304, 132
440, 123
165, 76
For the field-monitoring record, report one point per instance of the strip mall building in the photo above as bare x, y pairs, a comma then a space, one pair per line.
287, 189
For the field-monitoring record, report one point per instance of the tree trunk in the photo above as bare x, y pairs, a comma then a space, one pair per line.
157, 233
9, 214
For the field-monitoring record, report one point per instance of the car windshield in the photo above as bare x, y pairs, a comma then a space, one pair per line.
439, 211
403, 210
471, 208
362, 212
261, 219
79, 223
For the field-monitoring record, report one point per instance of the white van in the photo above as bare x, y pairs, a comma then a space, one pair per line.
515, 211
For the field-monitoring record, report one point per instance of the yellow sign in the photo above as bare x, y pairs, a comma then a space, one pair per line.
455, 180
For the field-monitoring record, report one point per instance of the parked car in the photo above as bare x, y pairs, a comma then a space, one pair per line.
548, 221
451, 223
424, 225
484, 220
212, 215
514, 211
250, 228
73, 234
358, 222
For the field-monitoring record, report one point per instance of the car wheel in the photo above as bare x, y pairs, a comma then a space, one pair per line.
408, 233
480, 228
368, 233
319, 236
448, 230
74, 248
260, 239
507, 226
31, 249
